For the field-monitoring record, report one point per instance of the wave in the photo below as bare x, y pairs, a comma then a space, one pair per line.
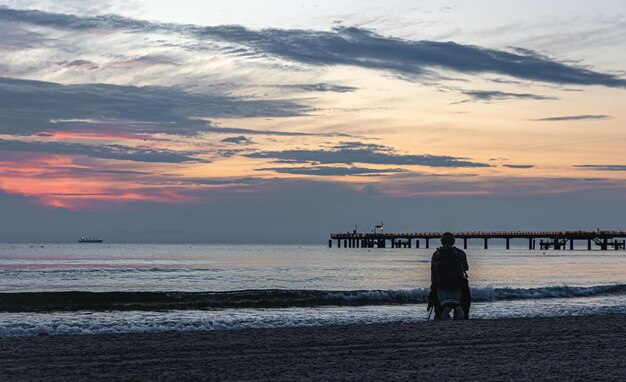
108, 322
269, 298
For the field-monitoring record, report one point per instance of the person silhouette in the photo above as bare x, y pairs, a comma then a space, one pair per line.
449, 282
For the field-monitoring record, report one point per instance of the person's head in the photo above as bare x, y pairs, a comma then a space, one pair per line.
447, 239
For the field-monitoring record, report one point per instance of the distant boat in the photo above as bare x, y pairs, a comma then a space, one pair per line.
90, 240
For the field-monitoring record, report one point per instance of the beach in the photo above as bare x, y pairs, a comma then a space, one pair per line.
554, 348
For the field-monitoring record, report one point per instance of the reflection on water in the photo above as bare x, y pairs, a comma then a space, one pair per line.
227, 267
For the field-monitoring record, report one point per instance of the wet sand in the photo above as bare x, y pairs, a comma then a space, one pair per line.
557, 349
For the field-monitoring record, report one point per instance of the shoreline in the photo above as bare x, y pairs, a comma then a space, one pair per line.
565, 348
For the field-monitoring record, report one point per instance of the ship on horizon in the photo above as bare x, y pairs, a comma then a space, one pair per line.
84, 239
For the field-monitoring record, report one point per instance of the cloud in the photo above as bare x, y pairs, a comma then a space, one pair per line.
114, 172
364, 48
237, 130
491, 95
354, 145
321, 87
331, 171
30, 107
205, 181
574, 118
118, 152
81, 182
67, 21
240, 140
518, 166
353, 152
79, 64
603, 167
143, 61
16, 39
345, 46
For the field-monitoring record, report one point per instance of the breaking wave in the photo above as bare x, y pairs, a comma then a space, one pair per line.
269, 298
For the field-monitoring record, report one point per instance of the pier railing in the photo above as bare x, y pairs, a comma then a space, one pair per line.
553, 239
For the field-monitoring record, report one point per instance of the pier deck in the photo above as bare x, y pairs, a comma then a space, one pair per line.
615, 239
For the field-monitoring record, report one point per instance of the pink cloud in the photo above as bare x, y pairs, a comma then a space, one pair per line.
57, 181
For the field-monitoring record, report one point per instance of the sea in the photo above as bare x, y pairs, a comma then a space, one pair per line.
76, 289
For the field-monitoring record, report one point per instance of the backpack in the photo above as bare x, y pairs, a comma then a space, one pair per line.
449, 268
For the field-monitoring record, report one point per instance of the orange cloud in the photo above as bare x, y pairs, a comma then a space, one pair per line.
56, 181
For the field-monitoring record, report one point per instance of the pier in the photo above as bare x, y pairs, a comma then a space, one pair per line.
557, 240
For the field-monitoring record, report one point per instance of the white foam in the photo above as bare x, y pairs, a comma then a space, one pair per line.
84, 322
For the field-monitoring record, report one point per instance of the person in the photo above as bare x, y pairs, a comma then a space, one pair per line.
449, 282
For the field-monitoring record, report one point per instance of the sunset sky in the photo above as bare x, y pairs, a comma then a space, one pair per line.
282, 121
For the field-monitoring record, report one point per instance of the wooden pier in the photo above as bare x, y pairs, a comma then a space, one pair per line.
558, 240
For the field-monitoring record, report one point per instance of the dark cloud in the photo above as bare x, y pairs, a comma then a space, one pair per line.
321, 87
228, 153
76, 170
603, 167
79, 64
505, 81
364, 48
237, 130
354, 145
331, 171
30, 107
573, 118
157, 60
491, 95
66, 21
219, 182
353, 152
207, 182
240, 140
520, 166
118, 152
347, 46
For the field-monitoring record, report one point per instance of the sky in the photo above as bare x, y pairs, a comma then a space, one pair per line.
283, 121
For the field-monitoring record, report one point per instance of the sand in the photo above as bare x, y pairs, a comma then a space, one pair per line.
558, 349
